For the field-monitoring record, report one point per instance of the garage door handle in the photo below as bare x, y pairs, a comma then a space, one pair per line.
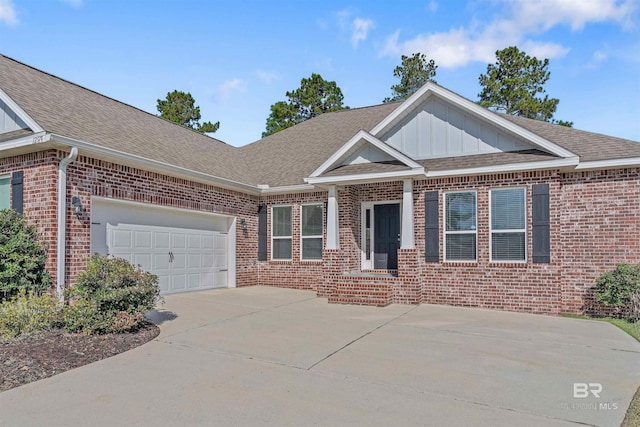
170, 256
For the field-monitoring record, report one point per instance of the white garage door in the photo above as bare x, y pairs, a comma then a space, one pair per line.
183, 259
187, 250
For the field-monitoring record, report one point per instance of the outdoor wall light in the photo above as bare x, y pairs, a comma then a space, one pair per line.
243, 223
77, 206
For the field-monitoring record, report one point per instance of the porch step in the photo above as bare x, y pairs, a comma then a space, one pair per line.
378, 294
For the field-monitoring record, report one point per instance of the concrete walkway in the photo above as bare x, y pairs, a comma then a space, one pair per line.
265, 356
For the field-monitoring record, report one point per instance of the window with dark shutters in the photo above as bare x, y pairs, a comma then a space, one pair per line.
17, 191
262, 233
541, 223
431, 227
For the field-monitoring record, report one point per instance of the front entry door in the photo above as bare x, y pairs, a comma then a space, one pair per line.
386, 239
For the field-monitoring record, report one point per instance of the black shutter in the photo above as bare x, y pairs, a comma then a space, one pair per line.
431, 227
17, 191
540, 223
262, 233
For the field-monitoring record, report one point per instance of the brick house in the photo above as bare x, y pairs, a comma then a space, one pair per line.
431, 200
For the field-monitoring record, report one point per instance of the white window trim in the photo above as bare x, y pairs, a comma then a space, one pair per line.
520, 230
364, 263
290, 237
320, 236
444, 227
9, 178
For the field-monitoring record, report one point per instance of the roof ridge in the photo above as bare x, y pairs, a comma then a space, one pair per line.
108, 97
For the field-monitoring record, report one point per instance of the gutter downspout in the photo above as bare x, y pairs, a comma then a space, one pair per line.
61, 252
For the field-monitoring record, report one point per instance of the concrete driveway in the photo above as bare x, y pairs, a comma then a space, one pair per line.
266, 356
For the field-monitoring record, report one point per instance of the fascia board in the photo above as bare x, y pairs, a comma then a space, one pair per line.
474, 109
33, 139
365, 178
29, 121
609, 164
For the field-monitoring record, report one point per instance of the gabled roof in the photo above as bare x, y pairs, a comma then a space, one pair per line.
64, 108
289, 156
285, 160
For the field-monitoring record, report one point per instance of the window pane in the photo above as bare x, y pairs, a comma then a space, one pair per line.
312, 248
312, 220
508, 246
460, 211
461, 247
281, 248
507, 209
282, 221
5, 188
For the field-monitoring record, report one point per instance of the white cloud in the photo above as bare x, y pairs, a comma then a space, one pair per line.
598, 57
520, 21
360, 30
266, 77
8, 13
230, 86
433, 6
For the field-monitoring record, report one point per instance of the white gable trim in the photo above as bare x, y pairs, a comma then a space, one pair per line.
433, 89
35, 127
363, 135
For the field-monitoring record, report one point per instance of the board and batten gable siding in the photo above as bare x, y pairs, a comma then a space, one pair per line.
9, 120
367, 154
436, 129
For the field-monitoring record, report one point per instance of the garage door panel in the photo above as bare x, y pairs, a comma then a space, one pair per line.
143, 260
194, 241
194, 261
220, 261
162, 240
178, 241
121, 238
207, 242
143, 239
163, 283
207, 260
221, 279
179, 261
178, 282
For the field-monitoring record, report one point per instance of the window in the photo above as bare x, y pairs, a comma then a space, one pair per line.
311, 232
460, 226
281, 232
5, 190
508, 224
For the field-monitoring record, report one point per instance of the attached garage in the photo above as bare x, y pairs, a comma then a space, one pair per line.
187, 250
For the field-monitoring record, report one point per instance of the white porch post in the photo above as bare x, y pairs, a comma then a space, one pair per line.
406, 236
333, 230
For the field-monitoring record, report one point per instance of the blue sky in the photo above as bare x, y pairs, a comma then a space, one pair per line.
239, 57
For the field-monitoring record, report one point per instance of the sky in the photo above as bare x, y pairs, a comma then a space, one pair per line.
237, 58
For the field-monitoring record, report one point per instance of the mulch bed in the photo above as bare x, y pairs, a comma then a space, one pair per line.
31, 358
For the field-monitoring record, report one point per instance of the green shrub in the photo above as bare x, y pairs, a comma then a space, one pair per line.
620, 289
22, 257
27, 313
111, 295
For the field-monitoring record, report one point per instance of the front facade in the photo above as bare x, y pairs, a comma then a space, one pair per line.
432, 200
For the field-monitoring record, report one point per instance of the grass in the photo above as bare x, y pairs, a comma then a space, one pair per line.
632, 418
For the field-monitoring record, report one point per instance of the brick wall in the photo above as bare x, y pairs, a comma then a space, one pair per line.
600, 224
40, 195
594, 226
296, 273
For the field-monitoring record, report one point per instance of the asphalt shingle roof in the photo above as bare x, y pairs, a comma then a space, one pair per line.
66, 109
288, 156
284, 158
